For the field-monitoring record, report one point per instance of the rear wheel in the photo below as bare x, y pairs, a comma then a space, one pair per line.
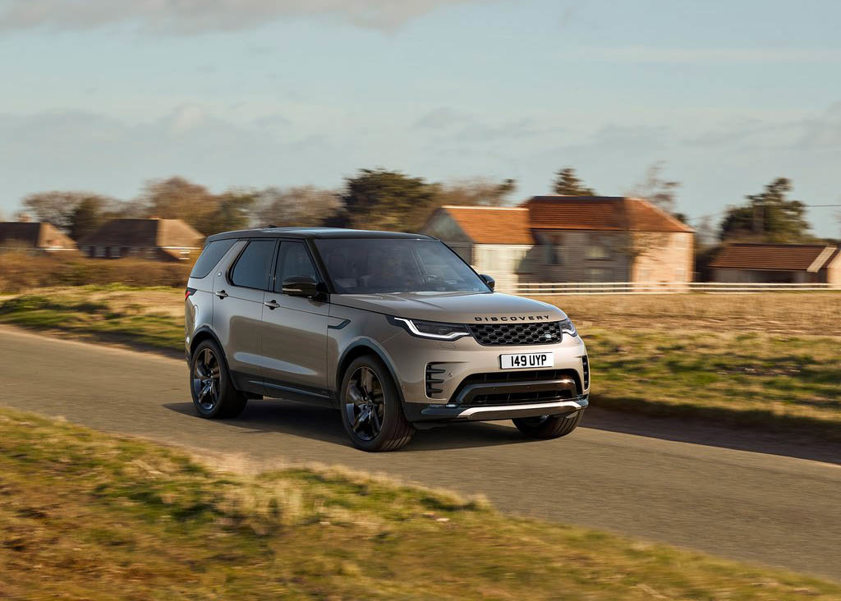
214, 395
370, 405
548, 426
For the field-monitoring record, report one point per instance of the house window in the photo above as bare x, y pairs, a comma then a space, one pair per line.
115, 252
100, 252
597, 251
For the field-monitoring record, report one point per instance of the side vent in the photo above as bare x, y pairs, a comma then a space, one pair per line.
433, 379
585, 362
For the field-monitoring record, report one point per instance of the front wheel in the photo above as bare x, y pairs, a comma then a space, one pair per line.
548, 426
214, 395
370, 405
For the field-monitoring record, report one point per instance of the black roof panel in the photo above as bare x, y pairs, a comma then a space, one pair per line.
313, 232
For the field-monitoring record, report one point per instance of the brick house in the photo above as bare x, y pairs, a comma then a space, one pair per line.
156, 239
40, 237
569, 239
778, 263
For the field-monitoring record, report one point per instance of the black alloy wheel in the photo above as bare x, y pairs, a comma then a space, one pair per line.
371, 408
364, 403
214, 395
206, 375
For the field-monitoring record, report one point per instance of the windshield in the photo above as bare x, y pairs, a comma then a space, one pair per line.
378, 265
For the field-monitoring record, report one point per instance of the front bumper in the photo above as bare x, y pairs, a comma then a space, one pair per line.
451, 412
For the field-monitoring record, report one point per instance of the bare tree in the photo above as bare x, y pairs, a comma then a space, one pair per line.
298, 206
58, 207
705, 233
657, 190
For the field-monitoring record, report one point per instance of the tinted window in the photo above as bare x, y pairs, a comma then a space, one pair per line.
210, 256
294, 261
252, 267
371, 265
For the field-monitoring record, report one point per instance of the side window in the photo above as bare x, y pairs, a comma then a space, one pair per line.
252, 267
210, 256
294, 261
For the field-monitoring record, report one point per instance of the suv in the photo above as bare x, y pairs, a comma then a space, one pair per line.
395, 330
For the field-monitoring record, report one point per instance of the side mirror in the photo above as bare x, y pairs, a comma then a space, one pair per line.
301, 286
488, 280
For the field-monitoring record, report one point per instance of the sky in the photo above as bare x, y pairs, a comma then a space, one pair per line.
104, 95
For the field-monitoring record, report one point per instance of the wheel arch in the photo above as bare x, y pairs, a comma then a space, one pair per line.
202, 334
360, 348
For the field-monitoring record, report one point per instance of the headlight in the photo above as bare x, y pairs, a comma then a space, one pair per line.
568, 328
431, 329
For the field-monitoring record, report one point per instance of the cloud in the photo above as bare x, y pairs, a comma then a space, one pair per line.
198, 16
652, 54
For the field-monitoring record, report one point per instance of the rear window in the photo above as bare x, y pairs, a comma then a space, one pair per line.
210, 256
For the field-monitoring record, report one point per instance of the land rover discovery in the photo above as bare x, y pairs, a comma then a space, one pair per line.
394, 330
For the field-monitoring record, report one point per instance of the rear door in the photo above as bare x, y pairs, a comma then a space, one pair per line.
294, 339
239, 294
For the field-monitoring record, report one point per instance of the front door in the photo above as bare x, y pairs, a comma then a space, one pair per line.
294, 337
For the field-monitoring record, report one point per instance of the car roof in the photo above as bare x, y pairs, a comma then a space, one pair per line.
313, 232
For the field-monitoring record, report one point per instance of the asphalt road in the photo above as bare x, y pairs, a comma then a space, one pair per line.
729, 492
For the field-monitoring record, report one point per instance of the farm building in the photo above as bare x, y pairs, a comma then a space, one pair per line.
569, 239
34, 236
777, 263
157, 239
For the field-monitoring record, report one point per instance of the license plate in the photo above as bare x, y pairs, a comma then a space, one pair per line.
527, 360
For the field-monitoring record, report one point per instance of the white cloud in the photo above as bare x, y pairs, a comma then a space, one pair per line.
195, 16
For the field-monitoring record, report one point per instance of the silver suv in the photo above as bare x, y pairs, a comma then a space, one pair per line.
395, 330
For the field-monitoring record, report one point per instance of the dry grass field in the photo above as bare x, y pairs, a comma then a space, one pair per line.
782, 313
22, 271
85, 515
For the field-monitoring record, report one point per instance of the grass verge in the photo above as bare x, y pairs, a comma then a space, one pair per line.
85, 515
769, 360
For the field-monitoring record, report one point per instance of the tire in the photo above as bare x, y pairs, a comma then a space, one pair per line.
548, 426
372, 413
214, 395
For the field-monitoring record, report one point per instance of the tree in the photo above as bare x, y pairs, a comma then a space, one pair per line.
477, 192
658, 191
389, 200
177, 198
55, 207
568, 184
87, 217
300, 206
60, 207
767, 217
231, 210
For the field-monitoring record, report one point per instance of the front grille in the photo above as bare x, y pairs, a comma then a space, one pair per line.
495, 334
515, 398
501, 396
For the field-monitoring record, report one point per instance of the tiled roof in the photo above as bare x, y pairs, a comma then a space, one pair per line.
601, 213
492, 225
144, 233
775, 257
34, 234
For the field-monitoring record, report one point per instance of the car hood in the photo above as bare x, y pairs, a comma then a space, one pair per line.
454, 307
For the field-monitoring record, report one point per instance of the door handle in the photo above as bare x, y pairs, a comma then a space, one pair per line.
272, 304
222, 294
